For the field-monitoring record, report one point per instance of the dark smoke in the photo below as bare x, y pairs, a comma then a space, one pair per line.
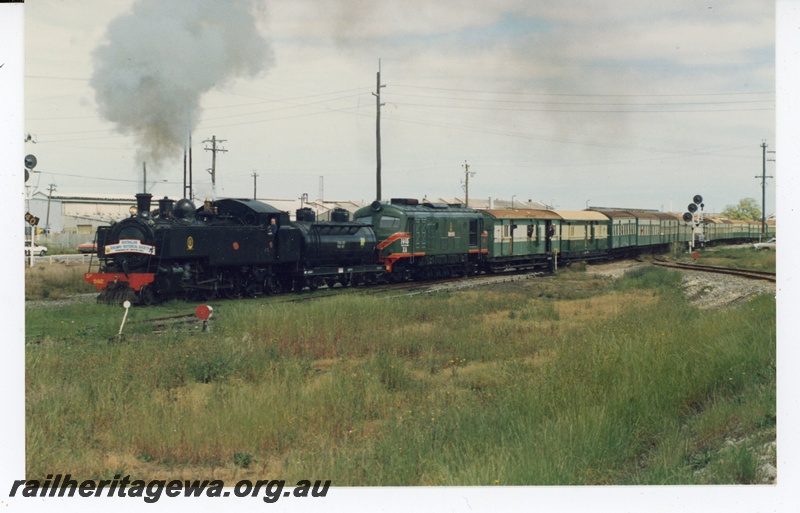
160, 58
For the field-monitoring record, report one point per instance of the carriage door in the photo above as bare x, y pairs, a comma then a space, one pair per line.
473, 234
548, 231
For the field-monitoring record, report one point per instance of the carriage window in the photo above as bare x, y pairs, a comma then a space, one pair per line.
364, 220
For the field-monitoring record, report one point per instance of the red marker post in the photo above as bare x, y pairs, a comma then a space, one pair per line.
203, 313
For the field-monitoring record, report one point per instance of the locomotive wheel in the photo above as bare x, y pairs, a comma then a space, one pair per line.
230, 286
271, 287
146, 296
283, 283
253, 290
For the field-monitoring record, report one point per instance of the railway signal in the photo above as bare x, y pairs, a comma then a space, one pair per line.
695, 216
119, 336
30, 163
203, 313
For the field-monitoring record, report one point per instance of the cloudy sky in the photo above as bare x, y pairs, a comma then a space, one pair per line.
609, 103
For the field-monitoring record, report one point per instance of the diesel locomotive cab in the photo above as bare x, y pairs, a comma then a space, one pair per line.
426, 240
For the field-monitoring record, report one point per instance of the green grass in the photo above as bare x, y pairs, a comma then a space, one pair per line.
744, 257
607, 383
54, 281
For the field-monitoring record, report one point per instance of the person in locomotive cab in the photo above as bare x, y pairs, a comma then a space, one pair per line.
272, 232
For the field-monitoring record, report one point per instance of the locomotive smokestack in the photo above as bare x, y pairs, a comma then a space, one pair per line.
143, 203
165, 207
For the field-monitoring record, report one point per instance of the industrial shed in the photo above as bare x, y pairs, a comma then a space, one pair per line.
80, 214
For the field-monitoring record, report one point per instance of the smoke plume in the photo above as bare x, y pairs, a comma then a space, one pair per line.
161, 57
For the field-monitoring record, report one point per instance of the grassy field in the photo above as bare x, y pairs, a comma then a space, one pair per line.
55, 281
574, 379
739, 257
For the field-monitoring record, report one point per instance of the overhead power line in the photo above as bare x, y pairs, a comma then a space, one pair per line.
618, 95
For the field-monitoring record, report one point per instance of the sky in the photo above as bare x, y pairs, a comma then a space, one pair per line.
600, 103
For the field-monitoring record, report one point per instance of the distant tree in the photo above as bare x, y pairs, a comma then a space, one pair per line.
745, 210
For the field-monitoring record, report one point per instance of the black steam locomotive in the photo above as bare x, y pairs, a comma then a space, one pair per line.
228, 248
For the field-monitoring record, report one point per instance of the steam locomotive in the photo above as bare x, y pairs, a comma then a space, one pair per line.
227, 248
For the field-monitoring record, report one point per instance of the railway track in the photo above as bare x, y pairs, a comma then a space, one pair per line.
744, 273
382, 291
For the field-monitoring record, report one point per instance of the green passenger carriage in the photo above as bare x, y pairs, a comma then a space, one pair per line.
670, 229
622, 232
519, 239
581, 235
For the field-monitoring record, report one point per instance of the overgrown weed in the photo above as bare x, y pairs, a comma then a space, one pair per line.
435, 390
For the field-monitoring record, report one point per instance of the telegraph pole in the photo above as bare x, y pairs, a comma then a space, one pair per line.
50, 190
255, 175
213, 149
377, 95
467, 174
763, 189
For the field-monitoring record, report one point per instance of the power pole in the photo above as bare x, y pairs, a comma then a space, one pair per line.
467, 174
144, 176
255, 175
377, 95
213, 149
763, 189
50, 191
321, 187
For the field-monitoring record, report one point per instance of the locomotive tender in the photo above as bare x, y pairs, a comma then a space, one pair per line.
234, 247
